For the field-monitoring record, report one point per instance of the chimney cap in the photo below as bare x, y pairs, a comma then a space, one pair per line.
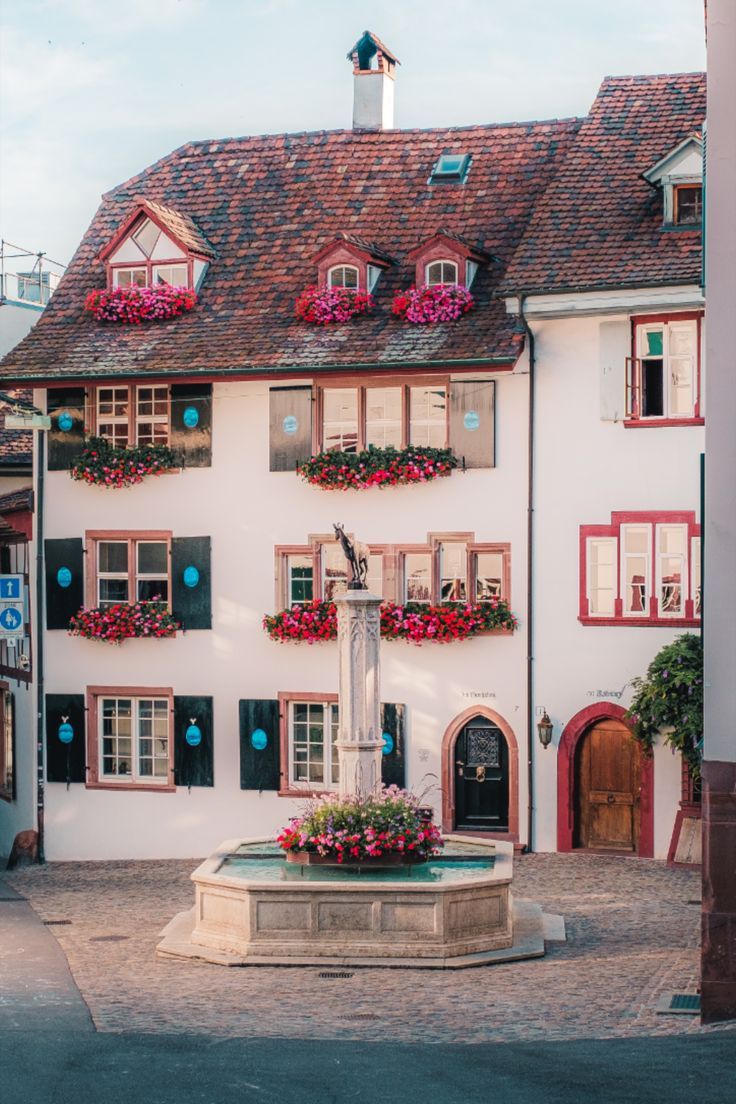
367, 46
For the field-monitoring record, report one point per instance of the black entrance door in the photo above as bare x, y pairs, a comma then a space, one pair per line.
481, 778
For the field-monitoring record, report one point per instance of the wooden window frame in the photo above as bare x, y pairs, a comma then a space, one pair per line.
133, 537
676, 189
653, 615
442, 261
287, 698
358, 383
92, 418
393, 564
634, 388
344, 265
95, 781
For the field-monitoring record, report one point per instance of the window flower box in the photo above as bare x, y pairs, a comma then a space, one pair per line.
433, 303
322, 306
382, 829
377, 467
104, 465
416, 622
124, 621
134, 305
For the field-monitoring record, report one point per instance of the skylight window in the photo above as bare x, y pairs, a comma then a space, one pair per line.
451, 168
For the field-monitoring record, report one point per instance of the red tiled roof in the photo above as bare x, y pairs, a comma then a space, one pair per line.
16, 445
267, 205
599, 224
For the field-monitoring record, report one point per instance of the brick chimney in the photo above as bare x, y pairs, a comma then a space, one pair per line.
373, 83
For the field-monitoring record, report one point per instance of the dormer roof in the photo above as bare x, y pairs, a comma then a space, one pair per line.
361, 249
178, 226
684, 160
456, 244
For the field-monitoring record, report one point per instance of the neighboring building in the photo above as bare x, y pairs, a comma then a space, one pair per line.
556, 216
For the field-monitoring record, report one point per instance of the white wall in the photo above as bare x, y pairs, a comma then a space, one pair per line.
247, 511
16, 320
587, 468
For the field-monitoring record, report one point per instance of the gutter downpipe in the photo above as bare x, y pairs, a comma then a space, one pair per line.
38, 654
530, 581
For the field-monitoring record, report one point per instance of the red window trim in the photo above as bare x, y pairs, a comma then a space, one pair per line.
93, 694
353, 383
133, 536
287, 787
638, 517
149, 266
636, 421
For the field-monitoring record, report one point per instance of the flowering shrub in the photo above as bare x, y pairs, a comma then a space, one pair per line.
134, 305
416, 622
669, 700
352, 829
104, 465
435, 303
377, 467
322, 305
124, 621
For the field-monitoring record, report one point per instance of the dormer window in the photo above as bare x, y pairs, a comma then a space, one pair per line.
156, 245
688, 204
343, 276
440, 272
450, 168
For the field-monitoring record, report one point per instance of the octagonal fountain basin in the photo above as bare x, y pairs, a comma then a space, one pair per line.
252, 907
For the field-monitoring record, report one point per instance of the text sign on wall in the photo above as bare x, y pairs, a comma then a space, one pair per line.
11, 605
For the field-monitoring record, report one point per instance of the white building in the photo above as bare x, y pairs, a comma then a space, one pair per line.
163, 747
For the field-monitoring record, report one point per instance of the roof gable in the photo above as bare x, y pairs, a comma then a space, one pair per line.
173, 224
685, 161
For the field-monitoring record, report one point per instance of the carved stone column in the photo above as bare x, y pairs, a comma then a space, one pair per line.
359, 742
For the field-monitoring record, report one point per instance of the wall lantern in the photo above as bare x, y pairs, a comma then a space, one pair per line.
544, 728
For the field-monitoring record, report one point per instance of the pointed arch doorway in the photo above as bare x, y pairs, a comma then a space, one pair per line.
480, 775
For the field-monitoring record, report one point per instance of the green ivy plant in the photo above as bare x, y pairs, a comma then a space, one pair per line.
670, 697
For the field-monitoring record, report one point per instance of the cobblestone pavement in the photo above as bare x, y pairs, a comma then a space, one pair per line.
632, 928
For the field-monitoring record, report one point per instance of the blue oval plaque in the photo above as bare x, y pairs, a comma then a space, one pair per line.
471, 420
193, 735
388, 743
190, 417
291, 424
65, 421
64, 577
66, 733
191, 576
259, 739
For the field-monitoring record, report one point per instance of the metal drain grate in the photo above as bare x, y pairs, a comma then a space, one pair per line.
679, 1004
55, 923
329, 975
108, 938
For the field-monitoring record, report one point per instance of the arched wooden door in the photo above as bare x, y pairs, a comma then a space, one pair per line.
481, 778
607, 788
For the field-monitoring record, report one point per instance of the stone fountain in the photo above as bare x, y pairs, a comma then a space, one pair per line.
254, 908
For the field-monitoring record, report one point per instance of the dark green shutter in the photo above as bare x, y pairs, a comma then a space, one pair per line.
65, 445
191, 582
290, 427
193, 766
393, 764
259, 766
472, 429
64, 561
191, 424
65, 762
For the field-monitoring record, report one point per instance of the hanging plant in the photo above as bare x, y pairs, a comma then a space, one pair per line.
104, 465
133, 305
324, 305
668, 701
416, 622
124, 621
435, 303
376, 467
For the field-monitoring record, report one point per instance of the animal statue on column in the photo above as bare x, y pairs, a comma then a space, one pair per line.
357, 556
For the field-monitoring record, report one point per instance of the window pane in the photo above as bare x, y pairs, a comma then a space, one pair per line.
453, 572
383, 416
307, 741
602, 577
689, 201
334, 571
682, 340
374, 578
130, 277
488, 575
116, 718
112, 556
636, 538
418, 577
300, 579
340, 417
153, 558
153, 590
112, 591
147, 236
441, 272
670, 592
173, 275
635, 590
344, 276
428, 416
112, 415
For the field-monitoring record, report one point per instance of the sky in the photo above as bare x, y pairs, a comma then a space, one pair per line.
93, 91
